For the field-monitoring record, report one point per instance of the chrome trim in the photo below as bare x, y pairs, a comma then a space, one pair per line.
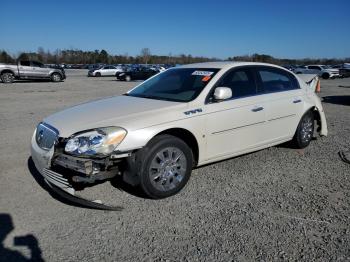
58, 180
222, 131
277, 118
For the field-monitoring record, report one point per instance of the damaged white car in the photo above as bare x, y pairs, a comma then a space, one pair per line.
185, 117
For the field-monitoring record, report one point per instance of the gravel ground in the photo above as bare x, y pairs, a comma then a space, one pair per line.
274, 204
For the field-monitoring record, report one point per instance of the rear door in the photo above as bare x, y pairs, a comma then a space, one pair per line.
237, 124
284, 101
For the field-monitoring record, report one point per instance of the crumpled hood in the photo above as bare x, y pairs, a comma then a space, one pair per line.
124, 111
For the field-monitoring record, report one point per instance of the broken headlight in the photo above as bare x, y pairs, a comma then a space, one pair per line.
100, 141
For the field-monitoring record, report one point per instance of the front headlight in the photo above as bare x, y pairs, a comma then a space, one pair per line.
100, 141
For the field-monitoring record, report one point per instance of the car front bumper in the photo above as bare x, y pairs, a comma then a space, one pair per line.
42, 160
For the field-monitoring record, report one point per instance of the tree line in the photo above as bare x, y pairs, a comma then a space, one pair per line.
70, 56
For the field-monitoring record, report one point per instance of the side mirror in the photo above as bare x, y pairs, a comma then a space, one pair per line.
222, 93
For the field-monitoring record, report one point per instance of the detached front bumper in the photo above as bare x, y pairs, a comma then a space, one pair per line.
42, 160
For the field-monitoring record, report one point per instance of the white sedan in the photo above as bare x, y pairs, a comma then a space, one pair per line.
107, 70
184, 117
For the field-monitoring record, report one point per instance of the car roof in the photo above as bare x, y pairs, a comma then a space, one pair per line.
224, 64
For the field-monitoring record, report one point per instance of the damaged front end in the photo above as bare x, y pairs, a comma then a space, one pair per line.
69, 171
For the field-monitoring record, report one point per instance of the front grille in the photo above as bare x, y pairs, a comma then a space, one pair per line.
46, 136
58, 180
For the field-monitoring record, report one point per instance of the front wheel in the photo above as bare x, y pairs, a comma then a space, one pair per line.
55, 77
305, 131
7, 77
166, 166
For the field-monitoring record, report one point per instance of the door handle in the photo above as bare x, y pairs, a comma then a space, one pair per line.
256, 109
296, 101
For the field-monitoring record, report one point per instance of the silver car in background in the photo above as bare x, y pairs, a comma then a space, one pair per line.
30, 70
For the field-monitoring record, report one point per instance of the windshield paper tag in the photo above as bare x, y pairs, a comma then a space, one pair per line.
202, 73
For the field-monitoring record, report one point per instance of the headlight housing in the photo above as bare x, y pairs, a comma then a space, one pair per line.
99, 141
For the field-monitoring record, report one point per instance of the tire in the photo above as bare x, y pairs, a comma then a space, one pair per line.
305, 131
161, 174
127, 78
98, 74
7, 77
56, 77
325, 75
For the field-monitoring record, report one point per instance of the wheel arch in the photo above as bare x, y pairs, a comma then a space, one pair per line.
55, 72
7, 71
317, 116
185, 135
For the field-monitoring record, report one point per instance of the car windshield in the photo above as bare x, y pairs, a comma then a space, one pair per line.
178, 85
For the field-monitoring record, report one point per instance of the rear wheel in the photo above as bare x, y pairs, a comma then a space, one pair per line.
7, 77
165, 167
55, 77
305, 131
127, 78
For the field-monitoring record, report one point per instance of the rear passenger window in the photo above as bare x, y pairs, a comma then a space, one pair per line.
276, 80
241, 82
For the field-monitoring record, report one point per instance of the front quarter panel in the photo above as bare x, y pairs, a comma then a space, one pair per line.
139, 138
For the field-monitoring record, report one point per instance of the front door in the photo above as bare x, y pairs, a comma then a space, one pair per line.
39, 70
238, 124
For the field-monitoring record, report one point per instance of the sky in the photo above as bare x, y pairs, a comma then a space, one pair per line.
215, 28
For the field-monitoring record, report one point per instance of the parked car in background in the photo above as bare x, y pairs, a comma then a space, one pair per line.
30, 70
344, 69
185, 117
77, 66
107, 70
289, 67
321, 70
140, 73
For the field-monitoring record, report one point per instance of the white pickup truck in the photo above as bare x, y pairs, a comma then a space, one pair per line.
30, 70
321, 70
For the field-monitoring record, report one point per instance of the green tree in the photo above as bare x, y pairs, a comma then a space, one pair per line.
5, 58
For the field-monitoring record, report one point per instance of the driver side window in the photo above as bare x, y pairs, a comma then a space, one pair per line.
241, 81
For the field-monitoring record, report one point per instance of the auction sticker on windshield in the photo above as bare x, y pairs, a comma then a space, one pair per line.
202, 73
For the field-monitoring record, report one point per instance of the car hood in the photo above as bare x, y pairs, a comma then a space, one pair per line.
128, 112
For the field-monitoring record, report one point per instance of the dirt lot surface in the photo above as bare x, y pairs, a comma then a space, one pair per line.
274, 204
